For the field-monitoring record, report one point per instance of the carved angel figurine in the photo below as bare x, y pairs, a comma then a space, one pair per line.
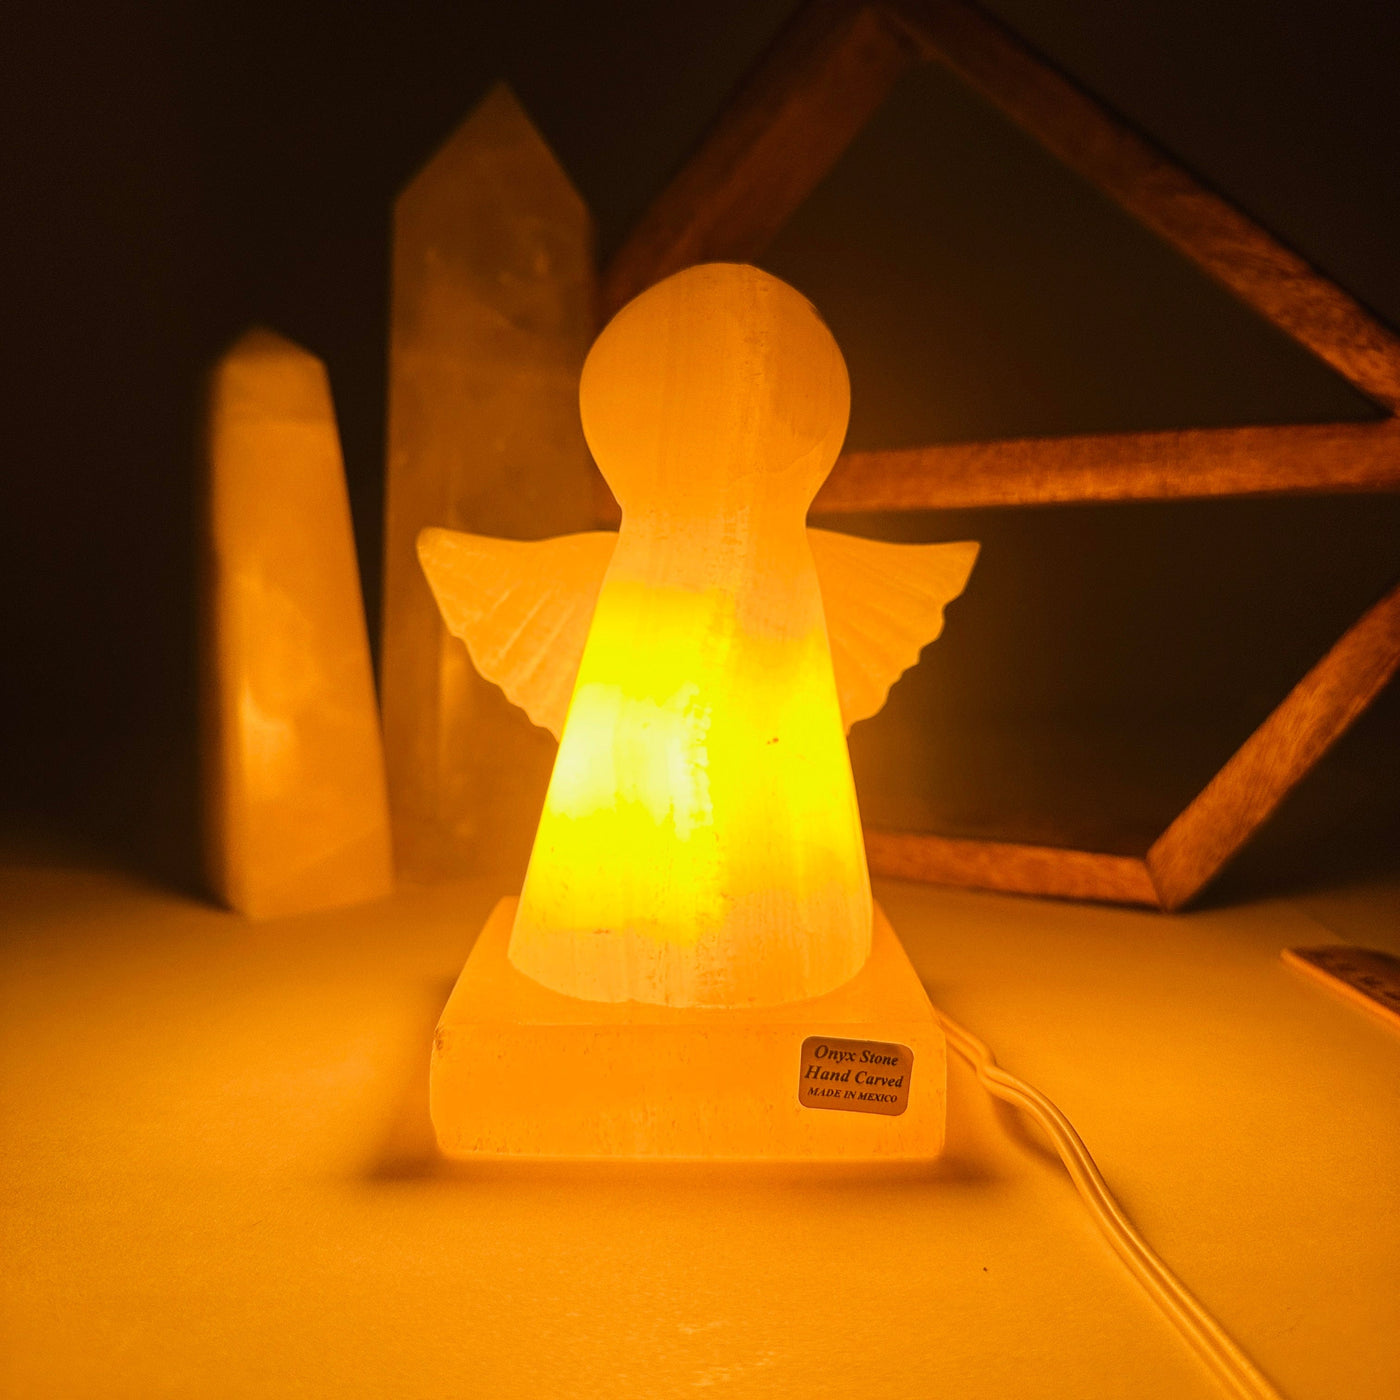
700, 843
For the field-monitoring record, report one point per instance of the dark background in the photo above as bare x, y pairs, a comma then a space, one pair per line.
176, 172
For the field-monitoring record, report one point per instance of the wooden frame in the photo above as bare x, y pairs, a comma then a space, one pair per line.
783, 131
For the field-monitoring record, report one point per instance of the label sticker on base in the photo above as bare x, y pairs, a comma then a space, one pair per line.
858, 1076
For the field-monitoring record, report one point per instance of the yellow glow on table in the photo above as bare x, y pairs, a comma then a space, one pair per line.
219, 1176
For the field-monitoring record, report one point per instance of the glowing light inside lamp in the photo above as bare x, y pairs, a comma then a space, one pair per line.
697, 903
700, 843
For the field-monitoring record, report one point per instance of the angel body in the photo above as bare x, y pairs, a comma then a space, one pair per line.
700, 843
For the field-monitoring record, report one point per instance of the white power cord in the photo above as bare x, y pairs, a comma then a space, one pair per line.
1204, 1334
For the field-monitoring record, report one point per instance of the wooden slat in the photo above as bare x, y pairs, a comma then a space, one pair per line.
1254, 461
1200, 224
780, 134
1277, 756
790, 122
1005, 866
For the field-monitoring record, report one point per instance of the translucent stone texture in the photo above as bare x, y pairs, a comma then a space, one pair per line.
296, 813
700, 843
493, 294
519, 1070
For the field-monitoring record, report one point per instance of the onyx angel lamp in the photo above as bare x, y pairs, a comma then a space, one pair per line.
695, 967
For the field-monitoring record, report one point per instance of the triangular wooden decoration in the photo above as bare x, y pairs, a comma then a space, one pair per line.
786, 127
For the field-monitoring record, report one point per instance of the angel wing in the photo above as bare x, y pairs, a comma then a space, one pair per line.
523, 609
884, 603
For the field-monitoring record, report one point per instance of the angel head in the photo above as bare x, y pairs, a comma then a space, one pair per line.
700, 842
719, 382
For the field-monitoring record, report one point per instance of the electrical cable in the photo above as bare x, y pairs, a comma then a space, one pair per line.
1202, 1332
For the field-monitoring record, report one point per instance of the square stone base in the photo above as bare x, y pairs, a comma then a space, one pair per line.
522, 1071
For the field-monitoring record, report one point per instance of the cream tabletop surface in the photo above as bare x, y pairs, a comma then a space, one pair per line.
219, 1177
